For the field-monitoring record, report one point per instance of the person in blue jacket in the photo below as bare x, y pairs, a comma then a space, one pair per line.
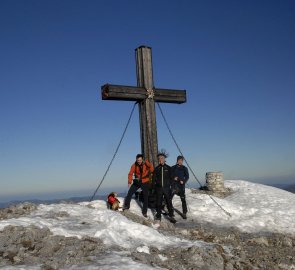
180, 176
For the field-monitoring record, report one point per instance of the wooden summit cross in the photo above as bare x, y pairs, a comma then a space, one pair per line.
146, 95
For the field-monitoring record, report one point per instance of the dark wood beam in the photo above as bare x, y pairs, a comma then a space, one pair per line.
122, 92
133, 93
170, 95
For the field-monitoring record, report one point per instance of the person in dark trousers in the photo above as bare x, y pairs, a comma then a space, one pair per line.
180, 176
162, 180
139, 177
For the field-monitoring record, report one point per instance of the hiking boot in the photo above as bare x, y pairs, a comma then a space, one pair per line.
125, 208
158, 217
145, 215
172, 219
184, 216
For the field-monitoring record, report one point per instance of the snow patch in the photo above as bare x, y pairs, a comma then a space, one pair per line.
143, 249
162, 257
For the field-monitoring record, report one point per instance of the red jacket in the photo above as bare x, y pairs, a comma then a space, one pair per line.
112, 199
147, 168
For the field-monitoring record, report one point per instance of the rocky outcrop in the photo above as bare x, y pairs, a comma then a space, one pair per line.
33, 246
15, 211
183, 258
247, 250
228, 248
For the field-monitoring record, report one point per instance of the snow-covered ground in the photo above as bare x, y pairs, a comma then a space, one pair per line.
253, 208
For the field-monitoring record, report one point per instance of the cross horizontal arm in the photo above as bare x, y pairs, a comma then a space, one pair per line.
133, 93
122, 92
170, 95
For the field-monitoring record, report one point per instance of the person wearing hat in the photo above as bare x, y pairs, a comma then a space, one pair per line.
180, 176
139, 177
162, 180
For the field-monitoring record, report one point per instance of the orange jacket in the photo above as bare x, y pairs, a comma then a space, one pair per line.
147, 168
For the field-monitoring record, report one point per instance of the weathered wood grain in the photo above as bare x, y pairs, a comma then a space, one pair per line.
133, 93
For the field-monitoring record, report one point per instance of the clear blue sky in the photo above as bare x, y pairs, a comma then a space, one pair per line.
235, 59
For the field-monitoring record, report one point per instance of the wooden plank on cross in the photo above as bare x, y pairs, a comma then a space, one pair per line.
133, 93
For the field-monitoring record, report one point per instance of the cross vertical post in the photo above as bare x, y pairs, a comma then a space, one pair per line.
146, 95
147, 112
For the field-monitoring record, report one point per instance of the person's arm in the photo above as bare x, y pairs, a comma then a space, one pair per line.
154, 179
186, 174
130, 174
173, 171
151, 167
171, 176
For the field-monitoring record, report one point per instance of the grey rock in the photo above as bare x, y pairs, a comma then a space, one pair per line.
37, 246
262, 241
228, 266
15, 211
287, 242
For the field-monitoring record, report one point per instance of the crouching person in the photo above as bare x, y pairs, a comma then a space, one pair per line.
139, 177
113, 201
162, 180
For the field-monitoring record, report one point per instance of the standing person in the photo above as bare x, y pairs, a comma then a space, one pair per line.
141, 171
162, 180
180, 176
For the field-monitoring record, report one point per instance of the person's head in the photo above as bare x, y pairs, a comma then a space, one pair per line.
180, 160
139, 159
113, 194
161, 158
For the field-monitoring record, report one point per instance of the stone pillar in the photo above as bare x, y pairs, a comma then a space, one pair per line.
215, 182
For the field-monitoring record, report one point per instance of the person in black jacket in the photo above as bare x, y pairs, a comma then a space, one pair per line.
162, 180
180, 176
